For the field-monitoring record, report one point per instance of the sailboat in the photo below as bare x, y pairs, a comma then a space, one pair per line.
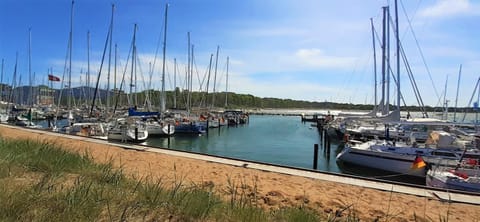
128, 129
156, 123
69, 114
27, 121
465, 176
340, 125
3, 110
184, 122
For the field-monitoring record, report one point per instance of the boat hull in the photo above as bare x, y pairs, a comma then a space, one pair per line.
161, 130
189, 128
396, 163
128, 135
448, 180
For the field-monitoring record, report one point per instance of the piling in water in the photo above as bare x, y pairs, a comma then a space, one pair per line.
315, 156
136, 133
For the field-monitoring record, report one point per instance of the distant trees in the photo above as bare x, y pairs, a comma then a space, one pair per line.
198, 99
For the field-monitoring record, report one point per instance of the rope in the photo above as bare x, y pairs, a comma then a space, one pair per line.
420, 51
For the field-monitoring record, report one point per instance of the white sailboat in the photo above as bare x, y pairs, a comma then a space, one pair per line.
128, 129
162, 126
3, 106
398, 157
464, 179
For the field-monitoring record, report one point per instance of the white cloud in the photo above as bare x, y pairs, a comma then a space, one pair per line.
318, 59
450, 8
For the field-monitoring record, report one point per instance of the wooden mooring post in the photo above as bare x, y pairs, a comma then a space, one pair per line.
315, 156
206, 130
168, 136
136, 133
328, 146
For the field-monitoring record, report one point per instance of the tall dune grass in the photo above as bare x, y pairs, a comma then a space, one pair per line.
41, 182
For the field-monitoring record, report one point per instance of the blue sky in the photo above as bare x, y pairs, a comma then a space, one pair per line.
315, 50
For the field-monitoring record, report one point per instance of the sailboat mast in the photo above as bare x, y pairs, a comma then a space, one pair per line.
384, 40
456, 98
475, 104
30, 103
208, 78
133, 62
374, 64
99, 73
215, 76
188, 73
388, 62
109, 59
226, 86
115, 70
70, 59
88, 66
1, 81
445, 101
397, 40
162, 96
175, 83
14, 81
190, 91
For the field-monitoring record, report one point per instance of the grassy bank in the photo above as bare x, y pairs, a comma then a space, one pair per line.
40, 182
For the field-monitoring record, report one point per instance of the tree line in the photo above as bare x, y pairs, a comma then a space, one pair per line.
230, 100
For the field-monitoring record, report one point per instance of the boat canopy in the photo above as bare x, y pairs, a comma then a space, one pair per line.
132, 111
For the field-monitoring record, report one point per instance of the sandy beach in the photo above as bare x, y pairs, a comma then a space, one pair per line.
272, 190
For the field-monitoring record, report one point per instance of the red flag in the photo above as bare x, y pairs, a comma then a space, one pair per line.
418, 163
53, 78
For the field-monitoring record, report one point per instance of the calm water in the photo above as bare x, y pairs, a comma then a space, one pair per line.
275, 139
282, 140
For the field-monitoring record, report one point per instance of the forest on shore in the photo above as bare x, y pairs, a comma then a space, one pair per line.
179, 99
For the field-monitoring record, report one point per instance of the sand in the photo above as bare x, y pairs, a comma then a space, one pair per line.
273, 190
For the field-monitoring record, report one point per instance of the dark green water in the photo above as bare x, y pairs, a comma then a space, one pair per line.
282, 140
273, 139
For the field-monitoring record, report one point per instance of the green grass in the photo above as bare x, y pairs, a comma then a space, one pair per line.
40, 182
